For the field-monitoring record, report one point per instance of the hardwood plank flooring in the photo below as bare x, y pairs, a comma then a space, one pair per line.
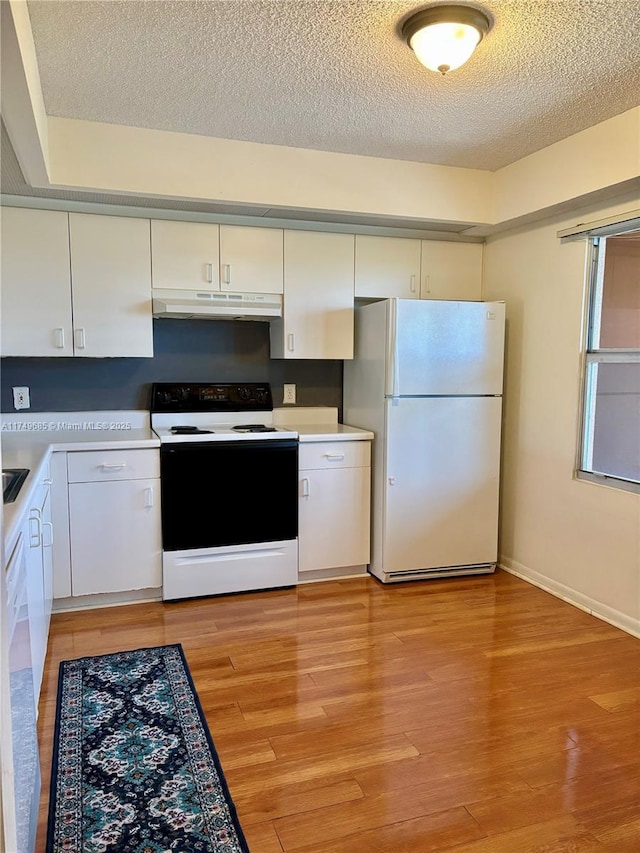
476, 715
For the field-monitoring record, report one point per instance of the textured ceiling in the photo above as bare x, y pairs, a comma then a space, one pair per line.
335, 75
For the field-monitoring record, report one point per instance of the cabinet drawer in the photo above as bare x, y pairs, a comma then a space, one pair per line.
334, 454
96, 465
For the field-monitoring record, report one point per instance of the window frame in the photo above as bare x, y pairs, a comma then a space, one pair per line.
593, 355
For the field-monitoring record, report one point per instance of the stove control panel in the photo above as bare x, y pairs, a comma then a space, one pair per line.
221, 397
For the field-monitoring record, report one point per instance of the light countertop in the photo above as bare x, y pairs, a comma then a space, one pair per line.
329, 432
318, 423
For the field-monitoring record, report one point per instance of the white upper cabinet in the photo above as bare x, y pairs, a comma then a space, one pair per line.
387, 266
75, 284
451, 270
417, 269
186, 255
36, 284
317, 319
251, 259
111, 278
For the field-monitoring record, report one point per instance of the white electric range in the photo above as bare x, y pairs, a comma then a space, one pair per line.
229, 487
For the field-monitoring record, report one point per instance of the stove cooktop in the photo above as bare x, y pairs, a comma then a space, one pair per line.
223, 412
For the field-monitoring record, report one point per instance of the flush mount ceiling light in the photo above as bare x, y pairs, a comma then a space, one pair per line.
444, 37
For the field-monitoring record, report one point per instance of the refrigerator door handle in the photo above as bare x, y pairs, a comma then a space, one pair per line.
392, 352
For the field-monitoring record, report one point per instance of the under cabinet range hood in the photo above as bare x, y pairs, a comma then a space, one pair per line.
202, 305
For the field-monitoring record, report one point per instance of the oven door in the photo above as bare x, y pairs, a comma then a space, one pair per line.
222, 493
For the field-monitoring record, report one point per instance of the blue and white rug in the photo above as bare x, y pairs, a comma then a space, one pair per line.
134, 767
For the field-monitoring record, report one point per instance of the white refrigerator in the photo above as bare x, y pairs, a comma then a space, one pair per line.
427, 380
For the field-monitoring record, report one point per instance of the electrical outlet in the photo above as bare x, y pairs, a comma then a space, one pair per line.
21, 397
289, 394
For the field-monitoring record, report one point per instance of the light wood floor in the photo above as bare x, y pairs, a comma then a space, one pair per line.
473, 715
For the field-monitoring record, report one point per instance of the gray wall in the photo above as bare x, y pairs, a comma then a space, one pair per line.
185, 351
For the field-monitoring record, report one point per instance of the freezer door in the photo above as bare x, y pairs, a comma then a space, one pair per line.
445, 348
442, 480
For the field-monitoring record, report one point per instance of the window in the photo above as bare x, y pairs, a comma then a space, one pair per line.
611, 412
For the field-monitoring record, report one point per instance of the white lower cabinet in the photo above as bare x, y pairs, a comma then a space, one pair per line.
114, 515
334, 505
37, 534
18, 733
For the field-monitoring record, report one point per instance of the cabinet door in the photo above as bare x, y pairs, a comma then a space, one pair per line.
111, 277
47, 559
451, 270
251, 259
38, 622
318, 297
333, 518
60, 520
186, 255
36, 284
387, 266
115, 536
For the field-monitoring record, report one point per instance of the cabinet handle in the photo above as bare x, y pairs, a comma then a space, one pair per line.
47, 482
59, 336
412, 284
306, 487
291, 343
226, 273
49, 526
427, 284
80, 339
35, 539
114, 466
209, 268
148, 498
333, 455
392, 481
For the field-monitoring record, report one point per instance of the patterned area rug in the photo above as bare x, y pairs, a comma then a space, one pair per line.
134, 767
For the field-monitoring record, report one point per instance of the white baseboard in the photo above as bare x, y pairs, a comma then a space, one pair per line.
572, 596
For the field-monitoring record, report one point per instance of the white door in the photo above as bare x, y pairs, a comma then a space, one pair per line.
111, 277
36, 283
387, 266
318, 297
251, 259
115, 536
446, 348
186, 255
451, 270
334, 518
441, 482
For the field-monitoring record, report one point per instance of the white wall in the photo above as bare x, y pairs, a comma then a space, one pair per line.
578, 539
601, 156
128, 160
